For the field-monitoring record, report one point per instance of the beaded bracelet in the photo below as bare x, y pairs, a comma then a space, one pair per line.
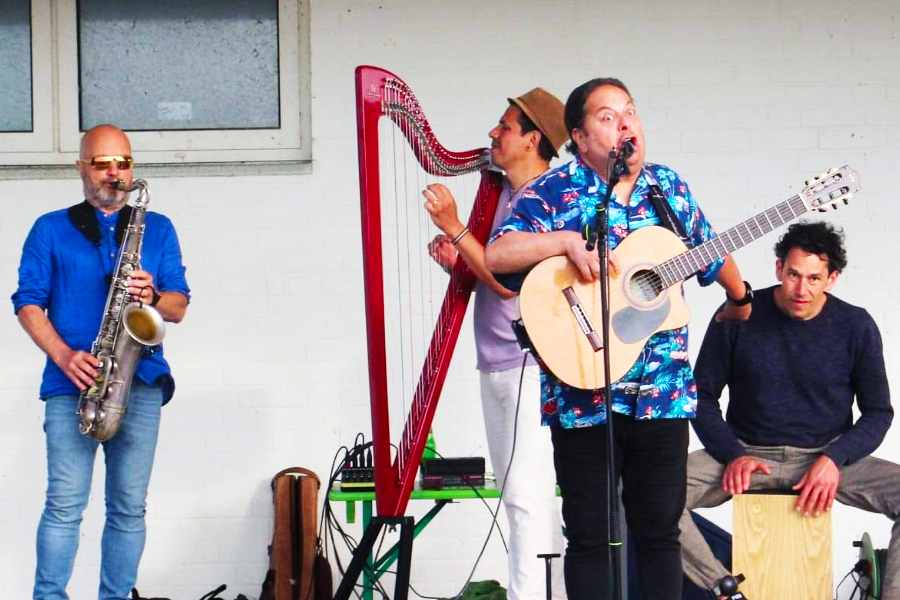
460, 236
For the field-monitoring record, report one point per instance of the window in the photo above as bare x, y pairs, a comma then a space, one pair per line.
26, 72
190, 82
15, 66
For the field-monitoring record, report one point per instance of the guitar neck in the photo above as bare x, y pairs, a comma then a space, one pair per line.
687, 263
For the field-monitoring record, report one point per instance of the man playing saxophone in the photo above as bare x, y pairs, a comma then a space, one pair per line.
67, 264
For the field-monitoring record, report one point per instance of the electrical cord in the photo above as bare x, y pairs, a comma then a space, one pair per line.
331, 523
856, 588
512, 455
484, 501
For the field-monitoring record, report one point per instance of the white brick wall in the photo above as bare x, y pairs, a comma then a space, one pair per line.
745, 99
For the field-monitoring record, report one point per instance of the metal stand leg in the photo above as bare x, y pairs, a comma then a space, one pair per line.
363, 551
548, 558
404, 559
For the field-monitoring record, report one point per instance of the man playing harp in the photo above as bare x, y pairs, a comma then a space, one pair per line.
522, 144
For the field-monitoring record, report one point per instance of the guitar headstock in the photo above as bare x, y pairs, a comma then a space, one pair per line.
830, 187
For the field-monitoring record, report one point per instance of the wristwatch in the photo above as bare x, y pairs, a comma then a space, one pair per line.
747, 299
157, 297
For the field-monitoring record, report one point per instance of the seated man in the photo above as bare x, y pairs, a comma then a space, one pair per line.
793, 370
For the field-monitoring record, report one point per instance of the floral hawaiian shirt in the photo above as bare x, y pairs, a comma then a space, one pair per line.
660, 384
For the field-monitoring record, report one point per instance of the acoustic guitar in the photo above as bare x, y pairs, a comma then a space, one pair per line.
562, 313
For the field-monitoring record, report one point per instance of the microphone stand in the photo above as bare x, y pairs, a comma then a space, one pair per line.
599, 231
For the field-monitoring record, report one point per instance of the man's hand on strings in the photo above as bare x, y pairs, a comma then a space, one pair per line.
443, 252
441, 206
588, 262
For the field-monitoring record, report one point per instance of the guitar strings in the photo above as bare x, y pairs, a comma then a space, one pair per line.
654, 281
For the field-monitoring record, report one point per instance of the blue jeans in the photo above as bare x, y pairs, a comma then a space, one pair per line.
70, 464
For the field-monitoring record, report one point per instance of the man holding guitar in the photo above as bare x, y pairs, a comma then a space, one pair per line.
523, 142
657, 395
789, 426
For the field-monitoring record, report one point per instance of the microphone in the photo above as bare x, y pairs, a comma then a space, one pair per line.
626, 150
617, 167
618, 156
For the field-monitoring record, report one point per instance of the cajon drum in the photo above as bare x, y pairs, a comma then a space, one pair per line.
783, 554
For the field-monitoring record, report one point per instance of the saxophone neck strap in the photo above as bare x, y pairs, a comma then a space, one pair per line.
84, 218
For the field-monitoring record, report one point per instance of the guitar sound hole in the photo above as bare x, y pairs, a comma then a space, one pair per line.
645, 286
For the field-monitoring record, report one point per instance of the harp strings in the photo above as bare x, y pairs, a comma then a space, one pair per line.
415, 285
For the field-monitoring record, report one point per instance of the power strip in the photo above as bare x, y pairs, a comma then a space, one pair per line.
358, 474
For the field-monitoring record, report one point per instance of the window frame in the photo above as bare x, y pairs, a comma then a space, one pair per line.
57, 134
40, 138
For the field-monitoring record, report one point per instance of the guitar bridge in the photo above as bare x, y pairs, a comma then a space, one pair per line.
583, 321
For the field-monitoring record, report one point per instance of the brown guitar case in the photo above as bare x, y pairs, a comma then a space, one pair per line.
296, 569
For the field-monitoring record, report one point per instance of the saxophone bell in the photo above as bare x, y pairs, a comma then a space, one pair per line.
143, 323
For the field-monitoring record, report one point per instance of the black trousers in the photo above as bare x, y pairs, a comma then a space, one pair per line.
651, 460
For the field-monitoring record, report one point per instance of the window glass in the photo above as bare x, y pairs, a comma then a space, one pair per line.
15, 66
176, 65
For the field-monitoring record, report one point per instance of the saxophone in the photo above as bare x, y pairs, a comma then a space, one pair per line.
128, 326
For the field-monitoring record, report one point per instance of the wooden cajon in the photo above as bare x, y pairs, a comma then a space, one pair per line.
783, 554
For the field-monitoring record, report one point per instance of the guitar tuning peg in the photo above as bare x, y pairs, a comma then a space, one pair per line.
832, 170
834, 205
846, 201
822, 209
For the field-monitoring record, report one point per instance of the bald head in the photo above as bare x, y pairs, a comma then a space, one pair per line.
104, 140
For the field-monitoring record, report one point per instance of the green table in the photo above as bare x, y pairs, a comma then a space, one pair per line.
375, 569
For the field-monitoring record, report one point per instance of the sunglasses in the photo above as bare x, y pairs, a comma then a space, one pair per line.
102, 163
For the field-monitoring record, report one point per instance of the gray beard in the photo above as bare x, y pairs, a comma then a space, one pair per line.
109, 199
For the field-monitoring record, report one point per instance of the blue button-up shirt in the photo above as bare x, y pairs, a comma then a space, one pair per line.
661, 383
65, 274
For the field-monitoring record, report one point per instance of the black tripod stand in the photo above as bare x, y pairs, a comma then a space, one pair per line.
361, 553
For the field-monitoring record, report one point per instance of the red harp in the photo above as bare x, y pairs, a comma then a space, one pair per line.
380, 93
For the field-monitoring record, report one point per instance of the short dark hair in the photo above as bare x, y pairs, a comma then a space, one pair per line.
574, 111
545, 150
815, 237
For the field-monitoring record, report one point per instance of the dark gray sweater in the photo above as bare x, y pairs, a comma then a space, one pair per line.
792, 383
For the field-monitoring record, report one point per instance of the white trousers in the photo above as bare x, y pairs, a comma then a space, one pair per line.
530, 493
